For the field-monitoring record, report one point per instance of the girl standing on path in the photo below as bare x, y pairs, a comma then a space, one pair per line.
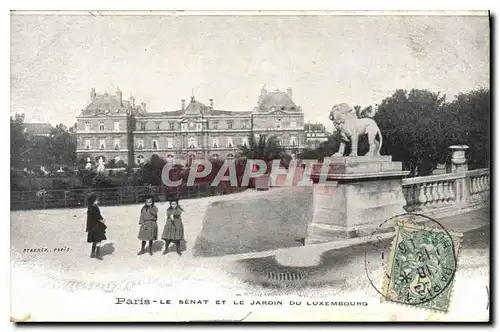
96, 229
148, 226
174, 229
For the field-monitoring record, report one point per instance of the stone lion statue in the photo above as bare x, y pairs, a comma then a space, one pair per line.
345, 120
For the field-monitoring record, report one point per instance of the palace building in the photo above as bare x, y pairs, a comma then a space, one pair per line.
113, 128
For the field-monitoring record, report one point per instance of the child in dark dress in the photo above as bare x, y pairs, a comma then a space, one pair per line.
174, 228
96, 229
148, 231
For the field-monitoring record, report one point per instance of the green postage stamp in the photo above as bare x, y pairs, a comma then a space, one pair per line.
422, 266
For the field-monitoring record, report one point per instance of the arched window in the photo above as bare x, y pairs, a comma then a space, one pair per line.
140, 159
230, 156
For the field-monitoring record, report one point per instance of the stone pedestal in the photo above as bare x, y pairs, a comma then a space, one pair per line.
358, 195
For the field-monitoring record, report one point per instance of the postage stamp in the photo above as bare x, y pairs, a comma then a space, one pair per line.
422, 265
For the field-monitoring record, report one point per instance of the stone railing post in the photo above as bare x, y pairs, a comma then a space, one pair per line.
459, 165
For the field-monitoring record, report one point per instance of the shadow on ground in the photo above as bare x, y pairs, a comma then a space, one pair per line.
107, 249
257, 223
335, 267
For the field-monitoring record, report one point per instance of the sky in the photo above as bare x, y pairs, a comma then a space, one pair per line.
325, 59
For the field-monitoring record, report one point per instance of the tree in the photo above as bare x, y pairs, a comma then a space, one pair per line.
18, 141
366, 112
325, 149
150, 172
63, 145
470, 116
267, 148
414, 128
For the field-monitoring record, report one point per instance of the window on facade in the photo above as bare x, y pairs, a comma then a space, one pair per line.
230, 124
215, 143
229, 143
140, 159
87, 144
171, 125
155, 144
198, 126
117, 126
293, 141
142, 125
183, 126
282, 108
102, 144
101, 126
140, 144
87, 126
170, 143
192, 142
244, 141
117, 144
215, 125
244, 124
230, 156
293, 123
158, 124
278, 123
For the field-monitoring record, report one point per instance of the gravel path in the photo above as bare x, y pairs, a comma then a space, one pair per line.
69, 286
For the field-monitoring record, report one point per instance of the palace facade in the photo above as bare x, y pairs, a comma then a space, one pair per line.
111, 127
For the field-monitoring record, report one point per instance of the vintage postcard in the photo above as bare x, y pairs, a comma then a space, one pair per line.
250, 166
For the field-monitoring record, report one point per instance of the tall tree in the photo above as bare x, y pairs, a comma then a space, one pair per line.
470, 116
63, 145
415, 127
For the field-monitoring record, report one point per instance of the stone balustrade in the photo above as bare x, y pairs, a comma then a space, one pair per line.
479, 184
448, 194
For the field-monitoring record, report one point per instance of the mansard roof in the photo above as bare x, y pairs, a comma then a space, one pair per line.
107, 104
276, 100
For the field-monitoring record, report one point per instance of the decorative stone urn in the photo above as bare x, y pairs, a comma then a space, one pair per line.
458, 160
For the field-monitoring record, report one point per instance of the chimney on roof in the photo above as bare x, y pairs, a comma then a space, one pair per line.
132, 101
119, 96
211, 103
143, 106
92, 94
289, 92
183, 104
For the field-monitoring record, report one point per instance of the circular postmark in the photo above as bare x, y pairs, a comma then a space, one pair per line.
417, 265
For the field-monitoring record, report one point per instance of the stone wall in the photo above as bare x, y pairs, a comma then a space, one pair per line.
255, 221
